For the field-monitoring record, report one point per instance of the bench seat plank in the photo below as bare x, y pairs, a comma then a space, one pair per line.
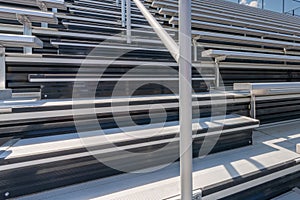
33, 15
204, 126
269, 88
60, 4
249, 55
10, 40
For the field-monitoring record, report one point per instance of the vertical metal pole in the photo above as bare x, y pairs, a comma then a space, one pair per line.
283, 6
128, 21
253, 105
27, 31
217, 75
2, 68
185, 99
123, 10
195, 50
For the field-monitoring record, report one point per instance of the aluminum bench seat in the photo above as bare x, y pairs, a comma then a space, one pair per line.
135, 18
36, 146
60, 4
253, 11
67, 103
55, 33
95, 20
100, 3
265, 89
229, 19
72, 33
73, 78
249, 56
55, 117
234, 29
86, 19
101, 10
269, 88
220, 6
32, 15
236, 127
198, 11
219, 20
249, 65
249, 31
31, 110
89, 62
233, 46
104, 5
211, 174
244, 40
107, 46
104, 29
10, 40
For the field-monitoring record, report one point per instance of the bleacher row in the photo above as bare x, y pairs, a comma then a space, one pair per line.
47, 42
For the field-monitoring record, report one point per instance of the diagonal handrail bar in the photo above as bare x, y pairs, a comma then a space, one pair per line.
166, 39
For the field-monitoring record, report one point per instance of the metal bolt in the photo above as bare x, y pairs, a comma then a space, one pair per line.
6, 194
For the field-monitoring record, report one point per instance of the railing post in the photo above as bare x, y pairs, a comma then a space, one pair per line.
183, 56
4, 92
123, 10
217, 75
195, 45
2, 68
253, 105
185, 99
117, 2
27, 31
128, 21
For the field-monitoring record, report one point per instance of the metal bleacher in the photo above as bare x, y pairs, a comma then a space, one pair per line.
48, 42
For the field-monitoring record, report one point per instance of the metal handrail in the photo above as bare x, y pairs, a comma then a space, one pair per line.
292, 12
166, 39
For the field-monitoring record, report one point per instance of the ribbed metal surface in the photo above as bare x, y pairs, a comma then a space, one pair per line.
84, 25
